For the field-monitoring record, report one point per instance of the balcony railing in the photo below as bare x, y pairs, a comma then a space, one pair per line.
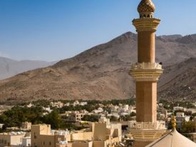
143, 65
148, 125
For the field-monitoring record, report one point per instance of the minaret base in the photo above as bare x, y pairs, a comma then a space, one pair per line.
146, 132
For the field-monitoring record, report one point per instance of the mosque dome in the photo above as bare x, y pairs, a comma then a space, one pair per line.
146, 8
172, 139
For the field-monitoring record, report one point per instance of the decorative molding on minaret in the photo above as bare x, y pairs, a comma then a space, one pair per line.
147, 24
146, 71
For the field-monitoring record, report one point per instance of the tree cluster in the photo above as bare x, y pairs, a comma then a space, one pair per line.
15, 116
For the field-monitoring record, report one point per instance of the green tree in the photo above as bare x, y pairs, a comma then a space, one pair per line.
188, 127
92, 118
113, 119
15, 116
53, 119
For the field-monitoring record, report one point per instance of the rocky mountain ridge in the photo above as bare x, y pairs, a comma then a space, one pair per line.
102, 72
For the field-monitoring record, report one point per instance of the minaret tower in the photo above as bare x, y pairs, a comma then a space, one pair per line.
146, 73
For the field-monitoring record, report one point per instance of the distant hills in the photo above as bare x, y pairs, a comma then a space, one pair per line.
10, 67
102, 72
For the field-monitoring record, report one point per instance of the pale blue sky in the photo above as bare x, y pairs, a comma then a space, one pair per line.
58, 29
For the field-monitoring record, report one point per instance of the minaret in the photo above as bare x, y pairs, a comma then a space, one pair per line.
146, 73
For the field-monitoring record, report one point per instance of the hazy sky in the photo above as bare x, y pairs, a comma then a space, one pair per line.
58, 29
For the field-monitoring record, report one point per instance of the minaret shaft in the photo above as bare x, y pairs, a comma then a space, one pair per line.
146, 89
146, 47
146, 101
146, 71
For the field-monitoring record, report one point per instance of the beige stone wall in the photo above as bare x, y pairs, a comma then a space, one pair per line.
65, 145
48, 140
69, 145
35, 135
68, 137
62, 145
82, 136
37, 130
45, 129
16, 139
99, 131
101, 136
116, 131
82, 144
4, 140
99, 144
41, 136
8, 139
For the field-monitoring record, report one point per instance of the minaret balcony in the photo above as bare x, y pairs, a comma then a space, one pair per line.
146, 71
146, 24
148, 125
147, 131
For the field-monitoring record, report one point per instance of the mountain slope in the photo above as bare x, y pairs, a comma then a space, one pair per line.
9, 67
100, 72
179, 81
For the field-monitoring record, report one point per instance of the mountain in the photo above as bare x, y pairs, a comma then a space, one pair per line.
179, 81
9, 67
102, 72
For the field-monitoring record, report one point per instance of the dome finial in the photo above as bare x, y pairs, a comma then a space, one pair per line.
146, 9
173, 121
